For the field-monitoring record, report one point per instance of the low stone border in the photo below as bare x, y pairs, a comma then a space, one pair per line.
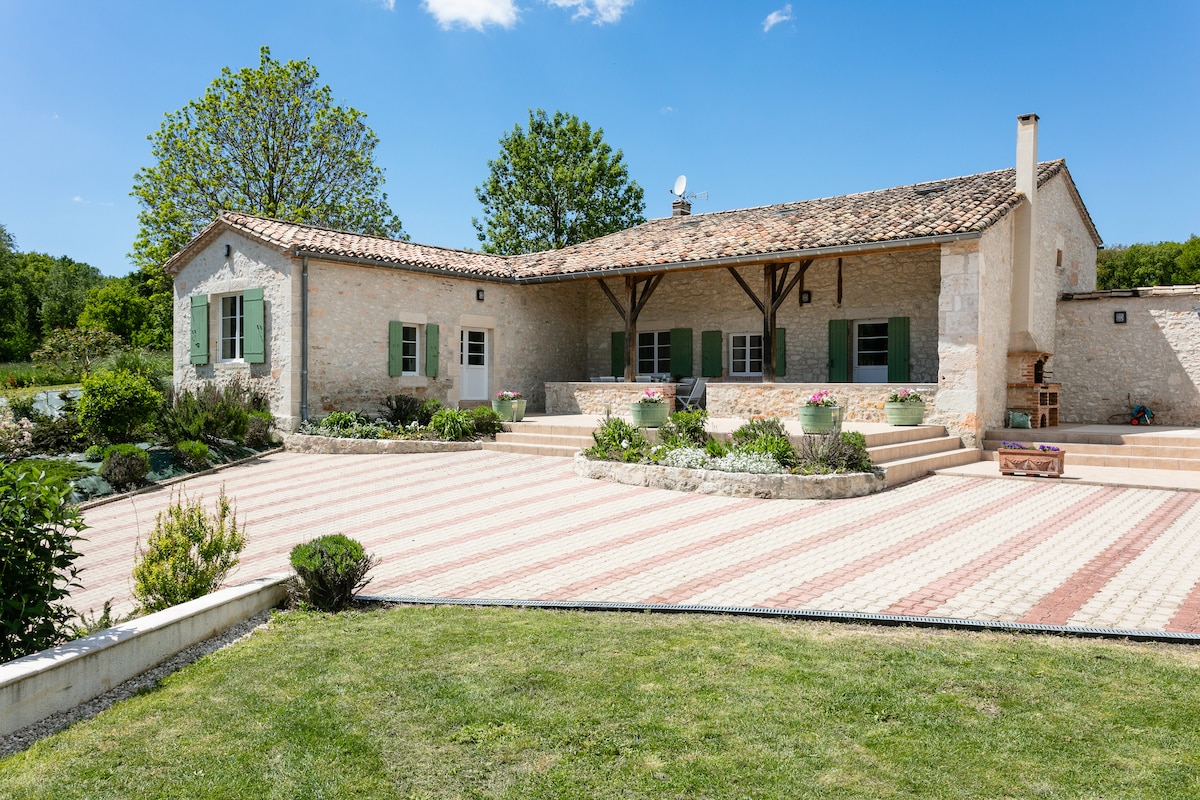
327, 445
36, 686
734, 484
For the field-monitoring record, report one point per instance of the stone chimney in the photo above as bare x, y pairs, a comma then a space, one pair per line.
1024, 236
680, 207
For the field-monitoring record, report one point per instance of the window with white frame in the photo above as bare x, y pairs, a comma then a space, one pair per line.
654, 352
746, 354
409, 360
233, 328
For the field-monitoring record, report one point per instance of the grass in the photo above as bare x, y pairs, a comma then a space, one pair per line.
480, 703
18, 375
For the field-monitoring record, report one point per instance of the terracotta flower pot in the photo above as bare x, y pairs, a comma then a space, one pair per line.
1048, 463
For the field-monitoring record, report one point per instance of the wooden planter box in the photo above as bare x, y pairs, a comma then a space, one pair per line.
1048, 463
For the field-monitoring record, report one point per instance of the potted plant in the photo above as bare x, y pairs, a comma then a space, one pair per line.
650, 409
510, 406
1045, 459
820, 413
904, 407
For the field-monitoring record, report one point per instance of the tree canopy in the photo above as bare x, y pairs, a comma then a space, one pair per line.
556, 184
1159, 264
268, 141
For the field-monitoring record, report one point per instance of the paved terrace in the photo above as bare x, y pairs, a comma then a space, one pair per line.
500, 526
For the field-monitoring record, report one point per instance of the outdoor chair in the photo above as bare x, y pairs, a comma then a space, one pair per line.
695, 399
644, 378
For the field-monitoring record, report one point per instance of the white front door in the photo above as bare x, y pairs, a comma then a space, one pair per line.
871, 351
473, 358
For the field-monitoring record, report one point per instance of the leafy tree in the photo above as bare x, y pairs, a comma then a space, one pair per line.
555, 185
116, 306
62, 290
76, 350
1187, 263
1122, 267
268, 141
18, 303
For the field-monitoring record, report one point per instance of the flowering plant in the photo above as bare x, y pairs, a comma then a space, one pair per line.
821, 398
508, 395
905, 396
16, 437
1045, 448
652, 396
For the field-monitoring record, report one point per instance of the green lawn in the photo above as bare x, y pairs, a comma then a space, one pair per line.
473, 703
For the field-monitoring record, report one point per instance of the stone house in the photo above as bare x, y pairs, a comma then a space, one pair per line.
948, 285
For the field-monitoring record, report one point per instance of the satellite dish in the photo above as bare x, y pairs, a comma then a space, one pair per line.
680, 185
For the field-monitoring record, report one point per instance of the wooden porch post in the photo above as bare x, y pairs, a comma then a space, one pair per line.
775, 291
630, 310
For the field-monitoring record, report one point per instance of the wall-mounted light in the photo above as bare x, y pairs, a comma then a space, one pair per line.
1119, 317
479, 295
806, 297
228, 250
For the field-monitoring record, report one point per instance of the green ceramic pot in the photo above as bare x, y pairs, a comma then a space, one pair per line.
649, 415
820, 419
904, 413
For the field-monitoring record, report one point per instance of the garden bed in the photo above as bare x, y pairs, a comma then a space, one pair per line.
778, 486
304, 443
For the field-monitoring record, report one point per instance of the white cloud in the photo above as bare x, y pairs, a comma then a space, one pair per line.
775, 17
666, 110
599, 11
472, 13
76, 199
390, 5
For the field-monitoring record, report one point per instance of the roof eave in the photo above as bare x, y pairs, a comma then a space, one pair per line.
364, 261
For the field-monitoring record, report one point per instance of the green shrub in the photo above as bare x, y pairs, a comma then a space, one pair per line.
777, 447
486, 421
685, 429
125, 465
91, 622
16, 435
57, 472
429, 407
74, 351
57, 434
117, 406
757, 429
716, 448
258, 428
154, 366
192, 454
452, 425
403, 409
189, 553
38, 532
617, 440
94, 453
329, 571
833, 452
210, 414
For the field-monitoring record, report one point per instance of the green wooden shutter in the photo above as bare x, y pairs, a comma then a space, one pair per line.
681, 352
710, 354
839, 351
432, 342
618, 353
780, 352
199, 350
898, 352
254, 320
395, 349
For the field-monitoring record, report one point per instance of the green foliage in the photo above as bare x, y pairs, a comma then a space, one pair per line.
57, 434
116, 406
757, 429
555, 185
428, 408
485, 421
94, 453
38, 532
833, 452
91, 622
330, 570
64, 289
258, 428
116, 307
1159, 264
716, 448
403, 409
777, 447
55, 471
189, 553
265, 140
16, 434
76, 350
452, 425
618, 440
125, 466
154, 365
687, 428
210, 414
24, 374
192, 454
346, 425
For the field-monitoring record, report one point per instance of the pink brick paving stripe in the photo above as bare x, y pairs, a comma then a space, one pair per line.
1186, 618
684, 591
693, 548
518, 545
635, 536
1059, 606
928, 597
470, 521
808, 591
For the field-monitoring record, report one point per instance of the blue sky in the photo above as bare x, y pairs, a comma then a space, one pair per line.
757, 102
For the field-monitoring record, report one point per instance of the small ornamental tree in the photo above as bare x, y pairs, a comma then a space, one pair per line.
38, 532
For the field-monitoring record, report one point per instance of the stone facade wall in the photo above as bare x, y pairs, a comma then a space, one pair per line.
862, 402
1153, 359
250, 266
1060, 230
959, 340
533, 332
873, 287
599, 398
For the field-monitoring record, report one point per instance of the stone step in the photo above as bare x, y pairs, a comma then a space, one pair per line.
1081, 459
1125, 450
1136, 436
907, 469
545, 439
532, 449
918, 447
